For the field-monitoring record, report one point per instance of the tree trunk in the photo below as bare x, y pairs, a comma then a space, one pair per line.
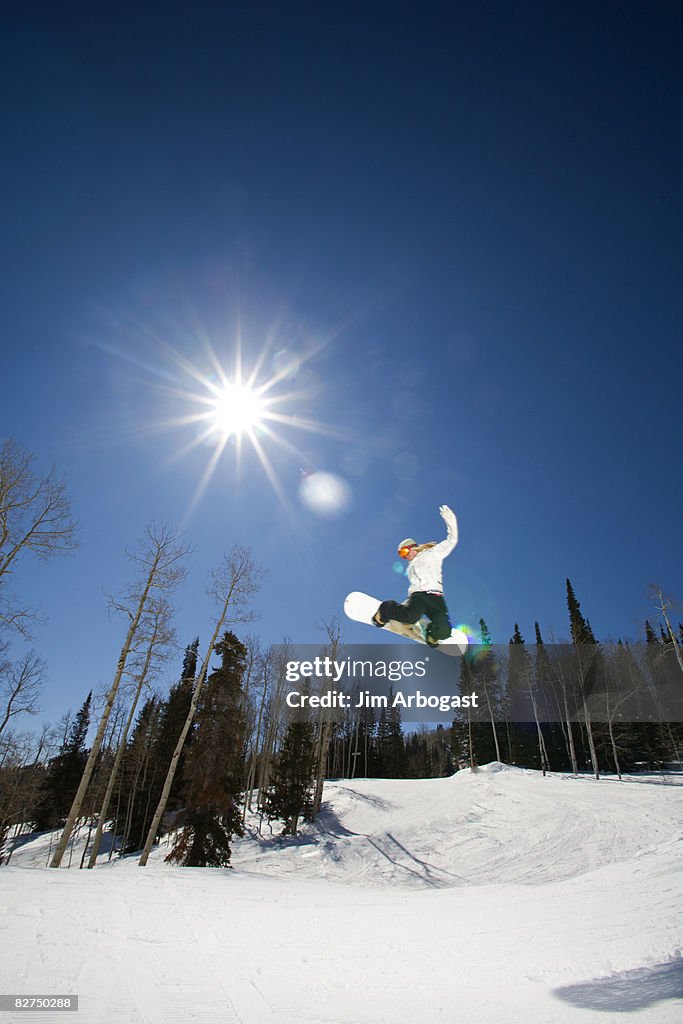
237, 579
121, 749
161, 557
170, 775
97, 743
251, 778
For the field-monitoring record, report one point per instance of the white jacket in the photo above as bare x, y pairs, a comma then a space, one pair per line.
425, 571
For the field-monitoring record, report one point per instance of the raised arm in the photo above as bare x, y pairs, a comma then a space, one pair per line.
446, 546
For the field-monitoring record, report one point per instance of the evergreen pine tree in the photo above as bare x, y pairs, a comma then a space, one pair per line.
392, 762
580, 627
291, 791
190, 660
365, 760
650, 635
395, 757
664, 738
64, 773
171, 717
557, 734
487, 682
215, 763
136, 769
590, 665
428, 754
522, 728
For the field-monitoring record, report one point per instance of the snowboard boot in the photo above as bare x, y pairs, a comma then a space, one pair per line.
376, 621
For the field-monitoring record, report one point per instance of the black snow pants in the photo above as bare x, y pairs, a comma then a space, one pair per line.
433, 606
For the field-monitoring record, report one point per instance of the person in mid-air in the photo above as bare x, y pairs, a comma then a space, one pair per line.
425, 578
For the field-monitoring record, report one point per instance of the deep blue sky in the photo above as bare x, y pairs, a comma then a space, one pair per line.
463, 219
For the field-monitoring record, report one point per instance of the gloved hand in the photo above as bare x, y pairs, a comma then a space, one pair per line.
445, 512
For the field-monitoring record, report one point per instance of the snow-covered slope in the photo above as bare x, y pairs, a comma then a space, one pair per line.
494, 898
496, 826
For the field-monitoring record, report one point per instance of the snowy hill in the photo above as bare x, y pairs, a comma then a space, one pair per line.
498, 826
492, 898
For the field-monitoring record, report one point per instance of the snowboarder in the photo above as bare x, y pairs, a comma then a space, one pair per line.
425, 578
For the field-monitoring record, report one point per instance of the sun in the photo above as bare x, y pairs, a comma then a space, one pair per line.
246, 417
236, 409
243, 411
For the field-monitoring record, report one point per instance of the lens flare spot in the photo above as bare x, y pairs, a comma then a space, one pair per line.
326, 494
469, 631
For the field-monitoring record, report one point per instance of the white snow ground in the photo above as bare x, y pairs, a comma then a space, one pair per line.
500, 897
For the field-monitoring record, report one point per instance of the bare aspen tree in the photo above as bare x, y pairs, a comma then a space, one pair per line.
276, 714
160, 558
664, 603
271, 724
141, 767
20, 684
553, 673
353, 747
253, 650
158, 638
485, 680
487, 676
232, 586
649, 668
542, 751
325, 722
620, 667
251, 672
520, 666
35, 518
586, 666
264, 668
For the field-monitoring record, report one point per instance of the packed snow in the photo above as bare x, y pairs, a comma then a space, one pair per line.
495, 897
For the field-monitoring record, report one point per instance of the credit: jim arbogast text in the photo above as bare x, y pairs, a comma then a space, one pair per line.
365, 699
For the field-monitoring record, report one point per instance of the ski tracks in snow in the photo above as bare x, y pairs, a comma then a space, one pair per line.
496, 826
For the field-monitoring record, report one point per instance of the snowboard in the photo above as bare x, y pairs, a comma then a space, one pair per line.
361, 607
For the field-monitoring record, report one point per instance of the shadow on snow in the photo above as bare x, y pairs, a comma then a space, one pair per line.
628, 990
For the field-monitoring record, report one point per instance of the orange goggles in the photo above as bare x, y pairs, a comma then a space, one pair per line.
403, 552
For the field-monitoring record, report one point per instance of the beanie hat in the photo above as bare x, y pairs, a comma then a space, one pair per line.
407, 543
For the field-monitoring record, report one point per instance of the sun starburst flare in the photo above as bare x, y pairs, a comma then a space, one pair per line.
244, 412
236, 410
242, 415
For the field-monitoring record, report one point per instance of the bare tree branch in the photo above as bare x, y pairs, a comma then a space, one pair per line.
35, 517
159, 639
232, 585
159, 556
20, 684
666, 602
